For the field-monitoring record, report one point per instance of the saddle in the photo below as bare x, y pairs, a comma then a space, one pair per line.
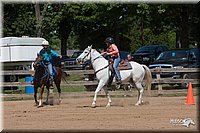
123, 65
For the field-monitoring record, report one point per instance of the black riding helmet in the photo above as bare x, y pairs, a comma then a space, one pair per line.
109, 40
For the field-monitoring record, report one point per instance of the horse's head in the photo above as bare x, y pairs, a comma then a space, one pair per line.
37, 61
85, 56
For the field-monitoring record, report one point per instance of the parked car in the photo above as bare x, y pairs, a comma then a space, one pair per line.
70, 63
177, 58
147, 54
56, 61
123, 55
194, 62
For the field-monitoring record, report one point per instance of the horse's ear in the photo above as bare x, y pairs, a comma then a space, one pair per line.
90, 47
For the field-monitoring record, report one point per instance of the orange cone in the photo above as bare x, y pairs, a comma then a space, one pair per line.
190, 97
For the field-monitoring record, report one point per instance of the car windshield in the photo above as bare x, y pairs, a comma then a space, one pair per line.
194, 54
146, 49
173, 55
76, 54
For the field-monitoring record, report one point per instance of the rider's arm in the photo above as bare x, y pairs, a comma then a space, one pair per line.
55, 54
115, 50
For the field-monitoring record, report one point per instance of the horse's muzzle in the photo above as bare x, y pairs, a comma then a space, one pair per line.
35, 65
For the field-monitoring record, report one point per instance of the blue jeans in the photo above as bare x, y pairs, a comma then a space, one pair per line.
115, 66
50, 68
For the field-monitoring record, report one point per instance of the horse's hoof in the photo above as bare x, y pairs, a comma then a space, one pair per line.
93, 106
39, 106
36, 104
59, 102
108, 105
51, 102
137, 104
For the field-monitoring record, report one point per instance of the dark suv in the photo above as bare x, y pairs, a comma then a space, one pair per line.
178, 58
147, 54
70, 63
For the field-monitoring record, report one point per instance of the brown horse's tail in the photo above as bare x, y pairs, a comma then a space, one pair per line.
64, 75
148, 79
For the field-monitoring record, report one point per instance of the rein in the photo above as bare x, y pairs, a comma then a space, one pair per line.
92, 60
101, 69
46, 74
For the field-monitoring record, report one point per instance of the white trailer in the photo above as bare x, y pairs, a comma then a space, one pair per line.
18, 53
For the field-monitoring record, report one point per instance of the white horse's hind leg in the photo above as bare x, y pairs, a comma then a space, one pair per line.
100, 85
140, 91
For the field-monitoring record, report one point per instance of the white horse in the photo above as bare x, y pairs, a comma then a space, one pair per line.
134, 76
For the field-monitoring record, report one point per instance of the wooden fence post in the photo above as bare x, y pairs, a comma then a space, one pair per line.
160, 92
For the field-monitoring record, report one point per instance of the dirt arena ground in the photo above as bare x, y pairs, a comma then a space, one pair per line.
75, 114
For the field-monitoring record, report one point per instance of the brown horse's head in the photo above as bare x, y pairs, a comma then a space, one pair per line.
37, 61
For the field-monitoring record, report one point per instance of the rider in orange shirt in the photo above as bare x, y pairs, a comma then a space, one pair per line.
113, 52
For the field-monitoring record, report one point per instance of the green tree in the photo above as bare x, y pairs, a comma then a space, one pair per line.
77, 25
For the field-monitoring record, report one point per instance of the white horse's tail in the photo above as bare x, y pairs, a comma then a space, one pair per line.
148, 78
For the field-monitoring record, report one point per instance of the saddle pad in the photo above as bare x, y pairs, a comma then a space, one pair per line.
124, 66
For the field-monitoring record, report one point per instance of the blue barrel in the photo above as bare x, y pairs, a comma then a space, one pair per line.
29, 89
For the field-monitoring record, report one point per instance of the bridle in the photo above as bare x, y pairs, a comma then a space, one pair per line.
92, 60
41, 63
37, 61
88, 54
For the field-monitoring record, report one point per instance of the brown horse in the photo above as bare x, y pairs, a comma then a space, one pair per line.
41, 79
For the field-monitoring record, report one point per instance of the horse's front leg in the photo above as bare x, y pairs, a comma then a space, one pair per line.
35, 95
108, 96
140, 91
100, 85
47, 100
40, 96
58, 88
51, 95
